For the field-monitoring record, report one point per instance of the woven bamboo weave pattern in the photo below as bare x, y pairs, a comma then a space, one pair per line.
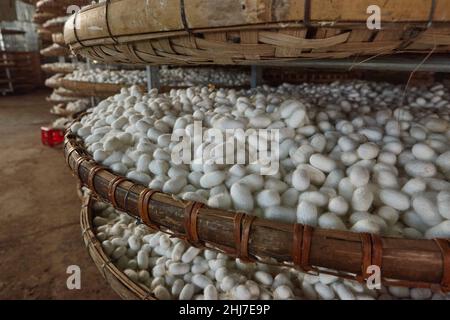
197, 34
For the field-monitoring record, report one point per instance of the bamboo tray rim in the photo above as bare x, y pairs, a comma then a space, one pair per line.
302, 19
55, 50
60, 111
96, 89
51, 68
87, 87
65, 101
80, 44
192, 32
127, 288
63, 92
97, 84
431, 262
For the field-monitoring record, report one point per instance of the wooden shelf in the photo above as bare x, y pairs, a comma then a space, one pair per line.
7, 65
19, 70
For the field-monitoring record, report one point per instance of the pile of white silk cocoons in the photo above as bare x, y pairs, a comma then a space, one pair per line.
65, 65
77, 106
350, 158
168, 76
171, 269
60, 98
99, 75
61, 123
197, 76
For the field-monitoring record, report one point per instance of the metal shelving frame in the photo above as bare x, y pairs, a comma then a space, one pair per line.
5, 65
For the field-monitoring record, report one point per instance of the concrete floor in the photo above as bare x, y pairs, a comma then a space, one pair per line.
39, 210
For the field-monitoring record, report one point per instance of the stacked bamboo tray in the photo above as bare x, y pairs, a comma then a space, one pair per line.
50, 16
117, 279
93, 89
405, 262
249, 32
63, 68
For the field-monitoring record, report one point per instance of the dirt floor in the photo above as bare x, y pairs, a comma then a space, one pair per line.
39, 211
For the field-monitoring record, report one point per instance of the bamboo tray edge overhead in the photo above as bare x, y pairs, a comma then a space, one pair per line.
253, 31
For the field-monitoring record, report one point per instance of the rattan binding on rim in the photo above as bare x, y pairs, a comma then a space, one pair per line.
414, 263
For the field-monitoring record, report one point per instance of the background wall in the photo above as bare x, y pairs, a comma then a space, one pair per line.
18, 15
8, 10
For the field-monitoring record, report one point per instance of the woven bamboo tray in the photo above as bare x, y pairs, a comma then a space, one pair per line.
62, 99
40, 18
253, 32
57, 68
60, 110
118, 280
63, 92
58, 38
54, 81
54, 26
58, 7
95, 89
45, 5
55, 50
50, 6
403, 262
88, 89
45, 34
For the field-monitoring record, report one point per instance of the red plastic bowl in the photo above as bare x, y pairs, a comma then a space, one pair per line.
51, 137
